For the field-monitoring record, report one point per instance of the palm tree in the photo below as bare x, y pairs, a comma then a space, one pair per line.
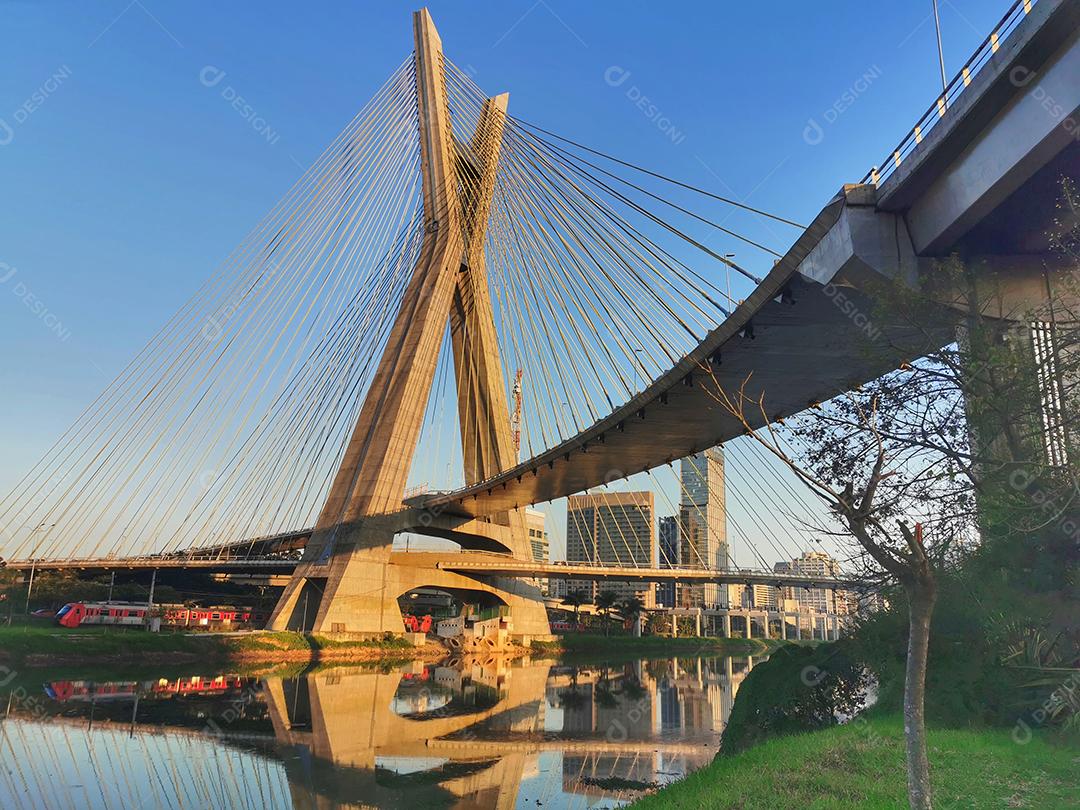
605, 601
574, 600
631, 608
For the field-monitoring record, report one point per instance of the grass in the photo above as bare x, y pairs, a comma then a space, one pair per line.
862, 765
54, 644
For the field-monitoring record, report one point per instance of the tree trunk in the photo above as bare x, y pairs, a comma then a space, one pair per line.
921, 598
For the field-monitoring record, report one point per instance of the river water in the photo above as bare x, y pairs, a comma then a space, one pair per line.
462, 734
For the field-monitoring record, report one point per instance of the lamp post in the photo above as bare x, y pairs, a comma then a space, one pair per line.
941, 52
33, 564
640, 367
30, 584
730, 257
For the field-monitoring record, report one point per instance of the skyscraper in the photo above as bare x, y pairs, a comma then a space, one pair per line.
669, 558
616, 529
703, 524
535, 523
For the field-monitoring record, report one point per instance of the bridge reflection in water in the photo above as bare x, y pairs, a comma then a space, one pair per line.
476, 734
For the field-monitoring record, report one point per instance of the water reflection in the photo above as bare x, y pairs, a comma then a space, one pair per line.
477, 734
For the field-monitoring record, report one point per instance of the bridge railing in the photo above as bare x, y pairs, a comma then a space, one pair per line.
982, 55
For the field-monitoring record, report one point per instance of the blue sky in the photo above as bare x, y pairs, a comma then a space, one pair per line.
127, 179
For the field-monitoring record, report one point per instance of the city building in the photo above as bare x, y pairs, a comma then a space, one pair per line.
535, 524
820, 564
669, 558
764, 597
612, 529
737, 596
703, 525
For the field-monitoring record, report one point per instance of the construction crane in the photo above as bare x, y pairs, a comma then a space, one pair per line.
515, 417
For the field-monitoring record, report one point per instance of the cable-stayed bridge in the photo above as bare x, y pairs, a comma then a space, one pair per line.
364, 333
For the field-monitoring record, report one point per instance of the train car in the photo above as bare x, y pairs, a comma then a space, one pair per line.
566, 627
76, 614
219, 617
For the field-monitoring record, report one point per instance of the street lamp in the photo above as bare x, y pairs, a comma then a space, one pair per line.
640, 368
727, 266
941, 54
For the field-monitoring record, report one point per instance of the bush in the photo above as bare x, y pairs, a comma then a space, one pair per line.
797, 689
995, 602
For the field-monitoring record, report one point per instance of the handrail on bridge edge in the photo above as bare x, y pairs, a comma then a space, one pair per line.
1016, 13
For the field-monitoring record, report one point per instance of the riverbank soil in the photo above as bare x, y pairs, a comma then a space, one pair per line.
861, 764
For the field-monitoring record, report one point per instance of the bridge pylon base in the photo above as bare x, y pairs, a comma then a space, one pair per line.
356, 591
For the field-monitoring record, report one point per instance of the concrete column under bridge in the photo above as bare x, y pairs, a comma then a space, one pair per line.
349, 580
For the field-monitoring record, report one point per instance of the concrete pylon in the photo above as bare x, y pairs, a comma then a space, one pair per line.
347, 581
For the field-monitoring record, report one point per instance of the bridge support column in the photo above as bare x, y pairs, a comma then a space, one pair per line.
783, 626
697, 623
370, 581
798, 627
727, 625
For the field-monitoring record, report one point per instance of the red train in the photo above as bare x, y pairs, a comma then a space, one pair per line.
75, 614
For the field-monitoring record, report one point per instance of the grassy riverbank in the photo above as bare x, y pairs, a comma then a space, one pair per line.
594, 644
32, 645
862, 765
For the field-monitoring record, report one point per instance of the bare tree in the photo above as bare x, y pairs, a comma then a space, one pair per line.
867, 482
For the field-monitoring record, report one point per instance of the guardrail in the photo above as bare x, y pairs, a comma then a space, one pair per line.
1012, 19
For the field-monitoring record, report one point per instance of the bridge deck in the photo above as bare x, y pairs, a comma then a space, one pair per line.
475, 565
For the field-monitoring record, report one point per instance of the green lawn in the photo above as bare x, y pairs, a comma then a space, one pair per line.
862, 765
21, 640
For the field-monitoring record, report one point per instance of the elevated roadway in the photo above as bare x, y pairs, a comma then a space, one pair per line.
479, 565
